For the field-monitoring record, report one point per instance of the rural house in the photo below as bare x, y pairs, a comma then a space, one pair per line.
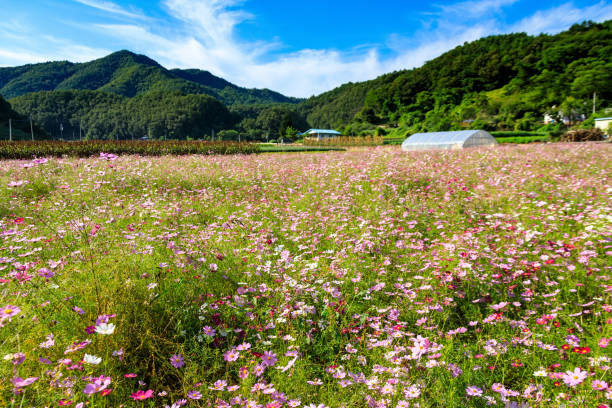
603, 124
320, 133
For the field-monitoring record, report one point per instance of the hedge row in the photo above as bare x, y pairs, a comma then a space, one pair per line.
516, 133
345, 141
29, 149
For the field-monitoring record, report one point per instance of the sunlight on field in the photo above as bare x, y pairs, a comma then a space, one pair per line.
370, 277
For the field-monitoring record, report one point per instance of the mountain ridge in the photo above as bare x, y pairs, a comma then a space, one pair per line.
128, 74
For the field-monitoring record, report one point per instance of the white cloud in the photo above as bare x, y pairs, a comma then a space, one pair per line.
474, 8
112, 8
202, 34
560, 18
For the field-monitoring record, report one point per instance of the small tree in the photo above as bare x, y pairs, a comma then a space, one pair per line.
291, 133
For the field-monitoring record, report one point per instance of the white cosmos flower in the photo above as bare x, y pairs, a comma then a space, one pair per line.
89, 359
540, 373
105, 328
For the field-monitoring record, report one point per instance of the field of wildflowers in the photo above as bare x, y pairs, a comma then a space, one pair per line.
365, 278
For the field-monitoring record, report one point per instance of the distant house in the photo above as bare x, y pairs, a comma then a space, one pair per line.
320, 133
449, 140
603, 124
548, 119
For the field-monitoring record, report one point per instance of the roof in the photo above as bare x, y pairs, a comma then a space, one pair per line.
325, 131
610, 118
442, 137
448, 140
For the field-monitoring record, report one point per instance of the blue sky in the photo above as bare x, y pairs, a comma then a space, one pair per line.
299, 48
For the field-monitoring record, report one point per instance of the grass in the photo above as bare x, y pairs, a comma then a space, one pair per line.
368, 277
522, 139
276, 148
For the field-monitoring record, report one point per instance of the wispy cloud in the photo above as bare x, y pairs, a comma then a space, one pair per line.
203, 34
474, 8
559, 18
112, 8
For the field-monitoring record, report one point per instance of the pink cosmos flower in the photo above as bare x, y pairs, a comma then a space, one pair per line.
599, 385
231, 355
573, 378
208, 331
18, 358
243, 372
98, 385
177, 361
19, 382
473, 391
9, 311
142, 395
194, 395
269, 358
219, 385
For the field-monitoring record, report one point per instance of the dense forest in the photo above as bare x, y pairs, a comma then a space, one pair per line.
502, 82
21, 126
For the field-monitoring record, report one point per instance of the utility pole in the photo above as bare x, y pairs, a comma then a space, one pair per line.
31, 128
80, 138
594, 100
10, 130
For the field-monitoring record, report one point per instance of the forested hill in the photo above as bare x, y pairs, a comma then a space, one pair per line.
127, 74
20, 125
497, 82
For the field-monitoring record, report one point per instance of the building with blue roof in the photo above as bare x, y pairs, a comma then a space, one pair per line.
320, 133
449, 140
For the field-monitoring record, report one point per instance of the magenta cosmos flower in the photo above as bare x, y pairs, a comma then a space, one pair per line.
142, 395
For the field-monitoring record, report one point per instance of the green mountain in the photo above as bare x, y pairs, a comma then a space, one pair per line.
127, 74
503, 82
105, 115
20, 125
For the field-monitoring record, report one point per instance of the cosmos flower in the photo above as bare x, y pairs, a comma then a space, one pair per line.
269, 358
574, 378
91, 359
19, 382
105, 328
9, 311
473, 391
231, 355
141, 395
177, 361
194, 395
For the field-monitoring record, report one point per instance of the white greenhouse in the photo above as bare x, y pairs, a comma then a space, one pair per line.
449, 140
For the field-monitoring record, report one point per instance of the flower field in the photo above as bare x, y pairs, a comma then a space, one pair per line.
365, 278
